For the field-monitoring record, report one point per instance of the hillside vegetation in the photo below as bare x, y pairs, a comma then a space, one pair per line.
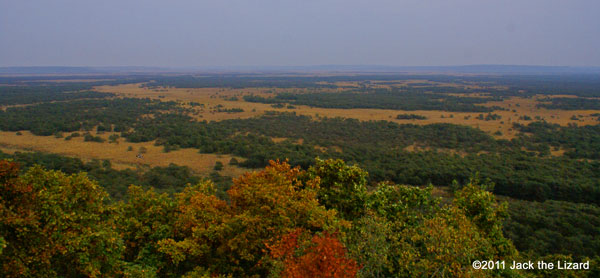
281, 221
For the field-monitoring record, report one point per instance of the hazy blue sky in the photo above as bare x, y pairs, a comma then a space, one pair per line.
299, 32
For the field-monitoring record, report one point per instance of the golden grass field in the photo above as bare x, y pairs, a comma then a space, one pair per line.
211, 97
117, 153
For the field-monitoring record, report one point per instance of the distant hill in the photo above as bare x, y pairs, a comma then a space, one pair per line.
475, 69
80, 70
466, 69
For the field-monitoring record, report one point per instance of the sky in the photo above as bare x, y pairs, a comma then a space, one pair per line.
199, 33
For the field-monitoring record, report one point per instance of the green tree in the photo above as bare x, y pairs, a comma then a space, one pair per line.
218, 166
342, 187
146, 218
54, 224
481, 207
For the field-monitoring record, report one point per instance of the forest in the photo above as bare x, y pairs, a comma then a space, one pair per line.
381, 99
378, 146
39, 94
49, 118
583, 85
562, 219
579, 141
281, 221
572, 104
170, 179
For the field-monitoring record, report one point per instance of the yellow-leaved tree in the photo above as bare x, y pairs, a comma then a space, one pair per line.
53, 224
232, 237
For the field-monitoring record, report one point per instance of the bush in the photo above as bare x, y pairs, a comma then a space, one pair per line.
411, 117
113, 138
90, 138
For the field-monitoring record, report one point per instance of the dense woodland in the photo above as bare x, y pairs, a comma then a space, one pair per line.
396, 99
170, 179
282, 221
572, 104
49, 118
38, 94
569, 227
584, 85
375, 222
554, 227
578, 141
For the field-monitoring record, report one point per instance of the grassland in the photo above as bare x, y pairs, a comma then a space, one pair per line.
210, 104
118, 154
517, 107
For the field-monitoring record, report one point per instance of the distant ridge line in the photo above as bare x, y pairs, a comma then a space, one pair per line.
472, 69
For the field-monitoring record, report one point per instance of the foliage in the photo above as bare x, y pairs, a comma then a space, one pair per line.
584, 85
342, 187
391, 230
273, 224
410, 117
407, 233
377, 146
403, 204
230, 110
397, 99
54, 224
368, 242
231, 238
218, 166
48, 118
479, 206
578, 141
168, 179
146, 218
443, 246
321, 256
551, 227
13, 95
571, 103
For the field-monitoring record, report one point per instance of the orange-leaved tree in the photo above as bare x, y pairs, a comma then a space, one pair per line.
232, 238
319, 256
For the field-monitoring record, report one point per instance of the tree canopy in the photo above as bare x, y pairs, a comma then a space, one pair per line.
279, 222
